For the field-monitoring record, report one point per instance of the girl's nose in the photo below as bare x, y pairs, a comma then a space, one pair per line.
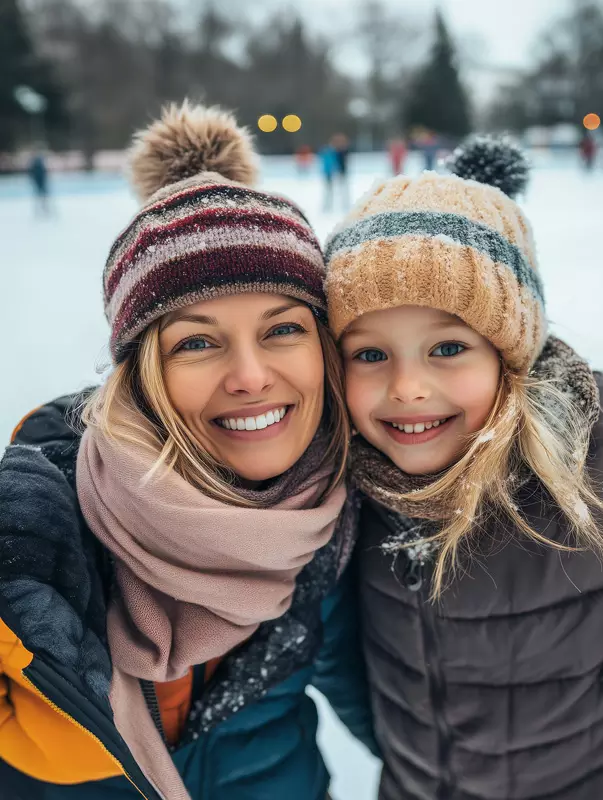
408, 384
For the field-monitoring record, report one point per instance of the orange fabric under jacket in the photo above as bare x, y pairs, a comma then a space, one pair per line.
174, 699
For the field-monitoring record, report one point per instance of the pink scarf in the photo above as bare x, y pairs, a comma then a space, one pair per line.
195, 576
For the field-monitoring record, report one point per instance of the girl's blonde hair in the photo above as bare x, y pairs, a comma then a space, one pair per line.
133, 406
532, 425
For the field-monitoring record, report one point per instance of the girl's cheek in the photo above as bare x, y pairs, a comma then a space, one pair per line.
353, 395
476, 395
361, 401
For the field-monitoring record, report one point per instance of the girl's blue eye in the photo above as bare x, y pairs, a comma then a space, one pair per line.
286, 330
371, 356
448, 349
194, 345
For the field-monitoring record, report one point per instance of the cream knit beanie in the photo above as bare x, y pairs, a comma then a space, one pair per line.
449, 242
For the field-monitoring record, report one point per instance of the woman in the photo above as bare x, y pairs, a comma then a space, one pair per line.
165, 576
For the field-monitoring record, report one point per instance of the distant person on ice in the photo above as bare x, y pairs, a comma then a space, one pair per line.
328, 167
341, 145
38, 174
429, 144
397, 151
303, 159
334, 166
588, 150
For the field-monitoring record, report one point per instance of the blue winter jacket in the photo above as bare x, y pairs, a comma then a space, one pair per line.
256, 736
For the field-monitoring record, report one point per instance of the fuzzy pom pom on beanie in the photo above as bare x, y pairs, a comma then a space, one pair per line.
458, 243
203, 231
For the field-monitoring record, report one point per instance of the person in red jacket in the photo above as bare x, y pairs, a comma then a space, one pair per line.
398, 151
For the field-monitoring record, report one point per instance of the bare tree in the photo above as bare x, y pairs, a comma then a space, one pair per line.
566, 79
390, 43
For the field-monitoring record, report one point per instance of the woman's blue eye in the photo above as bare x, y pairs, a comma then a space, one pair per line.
371, 356
286, 330
192, 345
448, 349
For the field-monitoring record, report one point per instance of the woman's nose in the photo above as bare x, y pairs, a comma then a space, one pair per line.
249, 373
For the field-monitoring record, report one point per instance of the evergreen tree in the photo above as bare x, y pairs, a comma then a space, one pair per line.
438, 100
20, 66
16, 62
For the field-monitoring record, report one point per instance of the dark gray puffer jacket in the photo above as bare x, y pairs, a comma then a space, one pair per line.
496, 692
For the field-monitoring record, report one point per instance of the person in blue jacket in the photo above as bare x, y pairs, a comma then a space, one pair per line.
175, 545
38, 174
328, 165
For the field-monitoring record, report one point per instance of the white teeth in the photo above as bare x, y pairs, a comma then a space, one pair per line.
418, 427
253, 423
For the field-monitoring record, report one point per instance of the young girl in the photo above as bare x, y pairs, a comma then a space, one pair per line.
169, 580
480, 547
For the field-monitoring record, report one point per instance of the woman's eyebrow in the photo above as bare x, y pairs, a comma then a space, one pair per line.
202, 319
274, 312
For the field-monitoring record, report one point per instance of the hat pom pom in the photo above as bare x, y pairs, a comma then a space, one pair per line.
493, 160
186, 141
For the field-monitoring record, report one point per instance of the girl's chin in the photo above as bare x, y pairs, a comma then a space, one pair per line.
420, 466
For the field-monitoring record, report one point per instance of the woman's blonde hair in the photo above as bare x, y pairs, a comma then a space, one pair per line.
133, 406
532, 426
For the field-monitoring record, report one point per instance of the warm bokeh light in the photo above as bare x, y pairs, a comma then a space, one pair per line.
591, 122
292, 123
267, 123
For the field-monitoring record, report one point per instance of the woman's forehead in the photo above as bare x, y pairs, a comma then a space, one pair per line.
259, 304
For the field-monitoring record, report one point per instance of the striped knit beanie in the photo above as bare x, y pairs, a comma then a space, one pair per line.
203, 232
457, 243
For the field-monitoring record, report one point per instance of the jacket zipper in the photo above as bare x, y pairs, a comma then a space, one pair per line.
150, 696
64, 714
437, 687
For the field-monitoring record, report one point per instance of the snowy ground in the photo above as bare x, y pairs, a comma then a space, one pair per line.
54, 335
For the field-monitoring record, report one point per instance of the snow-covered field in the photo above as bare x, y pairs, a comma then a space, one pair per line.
53, 334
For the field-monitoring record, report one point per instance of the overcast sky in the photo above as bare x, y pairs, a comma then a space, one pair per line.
506, 28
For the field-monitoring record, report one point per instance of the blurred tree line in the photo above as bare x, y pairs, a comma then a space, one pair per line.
107, 66
565, 79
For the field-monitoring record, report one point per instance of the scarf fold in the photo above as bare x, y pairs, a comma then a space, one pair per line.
380, 479
195, 577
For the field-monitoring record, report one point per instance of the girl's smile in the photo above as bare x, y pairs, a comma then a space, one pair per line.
418, 430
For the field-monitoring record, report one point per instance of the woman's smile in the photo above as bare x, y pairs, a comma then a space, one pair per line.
263, 424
